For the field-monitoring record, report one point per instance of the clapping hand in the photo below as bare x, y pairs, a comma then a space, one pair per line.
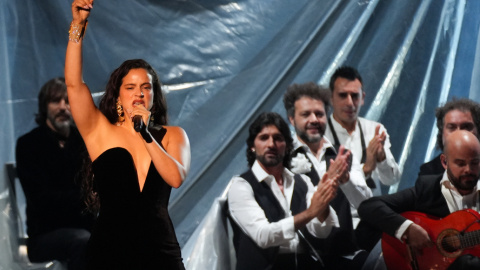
375, 151
340, 167
325, 193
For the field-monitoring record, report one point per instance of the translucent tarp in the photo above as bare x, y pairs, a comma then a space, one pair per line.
224, 62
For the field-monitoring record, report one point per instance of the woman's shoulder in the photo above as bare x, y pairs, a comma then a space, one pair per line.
173, 128
169, 133
174, 131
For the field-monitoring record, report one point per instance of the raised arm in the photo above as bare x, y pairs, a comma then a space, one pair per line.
81, 102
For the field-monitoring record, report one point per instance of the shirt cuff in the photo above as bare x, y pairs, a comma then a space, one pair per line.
383, 164
322, 229
401, 230
288, 227
365, 176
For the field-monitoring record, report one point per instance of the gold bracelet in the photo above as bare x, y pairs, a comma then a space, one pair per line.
76, 32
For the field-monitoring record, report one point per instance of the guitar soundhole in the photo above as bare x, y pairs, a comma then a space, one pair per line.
448, 243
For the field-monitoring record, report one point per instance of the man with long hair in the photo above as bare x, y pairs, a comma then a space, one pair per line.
273, 210
48, 160
457, 114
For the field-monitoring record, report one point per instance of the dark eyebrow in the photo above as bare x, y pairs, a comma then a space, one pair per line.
132, 84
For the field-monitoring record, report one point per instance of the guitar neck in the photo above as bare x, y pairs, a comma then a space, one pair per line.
470, 239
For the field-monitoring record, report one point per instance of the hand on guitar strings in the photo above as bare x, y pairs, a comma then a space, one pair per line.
417, 238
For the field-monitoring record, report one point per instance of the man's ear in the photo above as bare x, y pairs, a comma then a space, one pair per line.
363, 97
290, 119
443, 158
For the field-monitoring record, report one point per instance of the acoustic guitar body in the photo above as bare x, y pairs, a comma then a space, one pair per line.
455, 235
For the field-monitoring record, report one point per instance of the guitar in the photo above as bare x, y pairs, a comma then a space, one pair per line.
456, 234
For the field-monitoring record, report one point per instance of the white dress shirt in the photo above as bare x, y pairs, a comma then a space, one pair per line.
251, 218
356, 189
455, 201
387, 171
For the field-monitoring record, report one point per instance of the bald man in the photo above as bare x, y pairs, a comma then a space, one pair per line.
437, 195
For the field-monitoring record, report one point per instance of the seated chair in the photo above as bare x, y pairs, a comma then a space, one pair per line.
18, 235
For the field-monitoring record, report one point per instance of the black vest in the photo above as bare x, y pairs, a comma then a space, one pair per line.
340, 241
249, 255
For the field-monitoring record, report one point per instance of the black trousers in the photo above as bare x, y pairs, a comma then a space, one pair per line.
66, 245
288, 261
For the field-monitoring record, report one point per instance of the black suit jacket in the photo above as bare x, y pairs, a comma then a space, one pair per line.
382, 214
48, 174
433, 167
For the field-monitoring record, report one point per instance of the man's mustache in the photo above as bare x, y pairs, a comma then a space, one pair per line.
316, 126
271, 151
62, 114
472, 176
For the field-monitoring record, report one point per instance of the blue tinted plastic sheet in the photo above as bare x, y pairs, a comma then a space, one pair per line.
224, 62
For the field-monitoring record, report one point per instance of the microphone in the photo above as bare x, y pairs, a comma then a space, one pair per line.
138, 124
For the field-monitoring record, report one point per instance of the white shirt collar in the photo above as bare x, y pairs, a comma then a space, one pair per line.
261, 174
448, 184
297, 144
339, 128
456, 201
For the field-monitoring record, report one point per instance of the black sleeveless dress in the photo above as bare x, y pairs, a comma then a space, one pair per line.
133, 229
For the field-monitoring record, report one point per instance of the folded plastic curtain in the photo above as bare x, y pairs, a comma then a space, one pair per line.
224, 62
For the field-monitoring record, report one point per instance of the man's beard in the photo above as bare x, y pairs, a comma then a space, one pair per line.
311, 138
270, 162
61, 126
462, 185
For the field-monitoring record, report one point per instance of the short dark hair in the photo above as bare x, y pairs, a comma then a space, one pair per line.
109, 100
269, 119
346, 72
309, 89
52, 91
463, 105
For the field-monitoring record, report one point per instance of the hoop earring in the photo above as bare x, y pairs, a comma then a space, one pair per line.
120, 113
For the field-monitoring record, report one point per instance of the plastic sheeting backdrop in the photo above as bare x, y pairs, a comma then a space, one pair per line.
224, 62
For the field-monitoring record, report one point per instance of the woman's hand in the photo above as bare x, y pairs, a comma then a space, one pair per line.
81, 11
142, 111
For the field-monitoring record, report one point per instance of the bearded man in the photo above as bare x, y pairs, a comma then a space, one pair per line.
274, 211
435, 195
307, 106
48, 160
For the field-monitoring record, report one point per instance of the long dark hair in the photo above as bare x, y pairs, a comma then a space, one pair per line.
53, 90
109, 108
269, 119
108, 102
463, 105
